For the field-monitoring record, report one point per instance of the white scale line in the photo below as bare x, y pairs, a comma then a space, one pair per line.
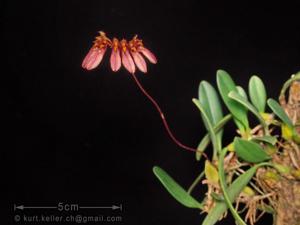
22, 207
96, 207
40, 207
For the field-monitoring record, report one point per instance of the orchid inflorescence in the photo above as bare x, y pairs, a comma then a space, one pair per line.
129, 53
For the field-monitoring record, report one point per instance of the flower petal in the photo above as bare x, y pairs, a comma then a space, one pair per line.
93, 58
139, 61
128, 61
148, 54
115, 60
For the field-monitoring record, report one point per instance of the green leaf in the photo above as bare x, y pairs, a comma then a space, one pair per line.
225, 85
209, 99
278, 110
250, 151
241, 92
206, 140
233, 191
267, 139
257, 92
217, 197
243, 101
217, 148
210, 128
175, 189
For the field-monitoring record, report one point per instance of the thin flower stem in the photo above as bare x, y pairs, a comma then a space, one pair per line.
162, 116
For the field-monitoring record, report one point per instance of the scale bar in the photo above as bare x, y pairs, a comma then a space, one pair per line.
67, 207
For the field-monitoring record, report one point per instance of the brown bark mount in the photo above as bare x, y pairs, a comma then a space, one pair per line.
286, 201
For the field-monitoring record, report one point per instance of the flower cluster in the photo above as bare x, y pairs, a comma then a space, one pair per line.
129, 53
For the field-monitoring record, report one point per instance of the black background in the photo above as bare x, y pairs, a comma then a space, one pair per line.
91, 137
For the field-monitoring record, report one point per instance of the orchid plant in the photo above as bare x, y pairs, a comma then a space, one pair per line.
258, 172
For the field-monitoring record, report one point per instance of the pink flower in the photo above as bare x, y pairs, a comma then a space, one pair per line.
115, 59
148, 54
139, 61
93, 58
127, 60
131, 54
137, 46
96, 53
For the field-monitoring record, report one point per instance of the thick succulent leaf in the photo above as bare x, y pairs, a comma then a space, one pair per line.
210, 128
226, 85
250, 151
241, 91
278, 110
257, 92
206, 140
209, 99
233, 191
221, 153
267, 139
175, 189
244, 102
217, 197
